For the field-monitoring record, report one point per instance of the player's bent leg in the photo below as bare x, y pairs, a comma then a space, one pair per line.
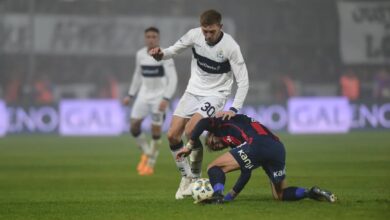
176, 129
293, 193
176, 143
196, 156
281, 192
277, 189
216, 171
175, 133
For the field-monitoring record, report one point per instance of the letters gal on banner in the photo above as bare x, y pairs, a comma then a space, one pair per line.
364, 32
91, 117
319, 115
3, 119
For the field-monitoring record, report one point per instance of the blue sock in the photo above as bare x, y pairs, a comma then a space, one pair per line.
219, 187
293, 193
217, 178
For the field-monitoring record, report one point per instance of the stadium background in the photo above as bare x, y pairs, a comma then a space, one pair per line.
61, 55
69, 49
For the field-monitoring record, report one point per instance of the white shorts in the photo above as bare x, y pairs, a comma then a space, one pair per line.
142, 109
207, 106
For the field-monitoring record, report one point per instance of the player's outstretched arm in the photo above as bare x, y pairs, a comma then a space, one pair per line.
205, 124
156, 53
135, 83
183, 43
240, 72
169, 68
240, 184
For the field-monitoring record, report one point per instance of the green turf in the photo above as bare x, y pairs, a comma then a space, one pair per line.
47, 177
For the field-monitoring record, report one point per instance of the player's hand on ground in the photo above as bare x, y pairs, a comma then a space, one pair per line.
183, 152
225, 115
126, 100
156, 53
163, 105
230, 196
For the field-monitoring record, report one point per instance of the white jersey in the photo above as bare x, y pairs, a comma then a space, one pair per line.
213, 67
153, 79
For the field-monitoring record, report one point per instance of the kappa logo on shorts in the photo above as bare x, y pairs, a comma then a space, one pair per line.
280, 173
244, 157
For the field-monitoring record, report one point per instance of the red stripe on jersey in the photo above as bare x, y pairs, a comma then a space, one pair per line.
243, 135
258, 128
230, 140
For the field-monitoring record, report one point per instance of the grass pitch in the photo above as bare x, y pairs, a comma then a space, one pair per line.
49, 177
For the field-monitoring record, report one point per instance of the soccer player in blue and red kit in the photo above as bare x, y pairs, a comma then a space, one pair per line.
252, 145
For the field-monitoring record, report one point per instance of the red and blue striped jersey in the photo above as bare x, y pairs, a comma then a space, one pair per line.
239, 129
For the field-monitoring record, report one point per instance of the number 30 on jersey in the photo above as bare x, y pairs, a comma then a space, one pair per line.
208, 108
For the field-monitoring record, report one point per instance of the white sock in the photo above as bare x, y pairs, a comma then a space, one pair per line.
182, 164
142, 143
196, 158
154, 145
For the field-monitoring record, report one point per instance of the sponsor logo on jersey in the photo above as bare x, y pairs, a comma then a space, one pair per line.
152, 71
220, 55
279, 173
244, 157
211, 66
215, 68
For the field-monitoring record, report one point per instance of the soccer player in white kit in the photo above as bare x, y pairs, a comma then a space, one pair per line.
216, 60
155, 82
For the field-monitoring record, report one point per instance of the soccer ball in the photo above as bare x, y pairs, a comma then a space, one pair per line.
202, 190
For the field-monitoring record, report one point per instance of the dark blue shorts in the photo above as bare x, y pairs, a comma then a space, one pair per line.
269, 154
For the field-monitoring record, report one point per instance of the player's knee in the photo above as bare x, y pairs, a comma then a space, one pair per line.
188, 132
211, 165
156, 133
135, 131
156, 136
278, 196
173, 137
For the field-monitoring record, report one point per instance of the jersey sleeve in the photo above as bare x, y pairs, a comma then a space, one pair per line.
242, 181
183, 43
205, 124
137, 78
240, 72
170, 70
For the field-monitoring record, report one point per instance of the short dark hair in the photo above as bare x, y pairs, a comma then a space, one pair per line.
210, 17
209, 142
153, 29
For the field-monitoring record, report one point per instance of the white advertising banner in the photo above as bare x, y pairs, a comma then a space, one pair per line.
319, 115
90, 117
364, 32
3, 119
107, 117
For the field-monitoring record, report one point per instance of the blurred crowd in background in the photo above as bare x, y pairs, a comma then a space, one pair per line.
291, 47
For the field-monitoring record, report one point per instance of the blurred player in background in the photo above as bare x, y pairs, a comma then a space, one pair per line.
155, 82
216, 60
252, 145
